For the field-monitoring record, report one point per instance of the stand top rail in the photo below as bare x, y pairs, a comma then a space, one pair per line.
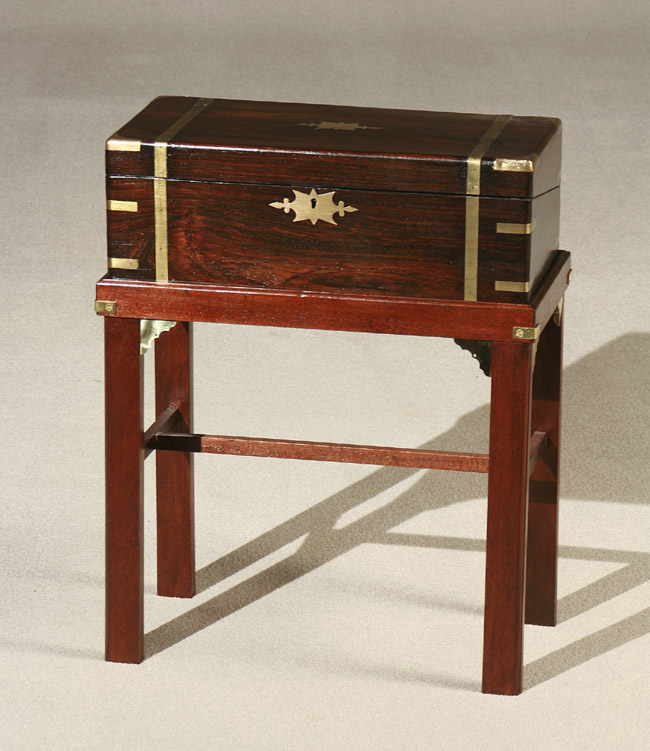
341, 312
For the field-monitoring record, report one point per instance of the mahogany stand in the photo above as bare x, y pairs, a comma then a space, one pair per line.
522, 464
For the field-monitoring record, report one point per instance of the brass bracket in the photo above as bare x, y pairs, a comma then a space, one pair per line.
508, 228
151, 330
105, 306
557, 313
512, 286
525, 333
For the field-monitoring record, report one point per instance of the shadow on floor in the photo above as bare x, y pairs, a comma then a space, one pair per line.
605, 450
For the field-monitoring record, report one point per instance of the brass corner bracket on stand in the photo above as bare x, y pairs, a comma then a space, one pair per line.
105, 306
526, 333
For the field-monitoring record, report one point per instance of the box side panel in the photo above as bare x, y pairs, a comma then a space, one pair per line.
130, 223
548, 169
505, 227
545, 239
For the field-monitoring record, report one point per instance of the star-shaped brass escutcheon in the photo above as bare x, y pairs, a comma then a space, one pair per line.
313, 206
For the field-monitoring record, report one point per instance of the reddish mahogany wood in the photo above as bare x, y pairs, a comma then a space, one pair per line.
506, 523
333, 452
341, 312
245, 141
326, 452
394, 266
166, 422
541, 567
124, 491
174, 470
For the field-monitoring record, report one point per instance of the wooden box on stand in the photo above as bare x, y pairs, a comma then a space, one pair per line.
306, 197
347, 219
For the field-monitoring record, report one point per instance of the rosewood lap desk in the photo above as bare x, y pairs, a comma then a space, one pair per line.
335, 218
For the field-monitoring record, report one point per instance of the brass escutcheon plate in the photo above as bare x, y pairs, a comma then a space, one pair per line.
313, 206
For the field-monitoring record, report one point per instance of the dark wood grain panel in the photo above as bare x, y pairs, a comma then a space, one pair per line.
272, 166
228, 234
238, 123
266, 166
242, 141
545, 238
535, 251
131, 233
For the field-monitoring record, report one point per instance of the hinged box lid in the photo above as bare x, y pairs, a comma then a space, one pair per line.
222, 140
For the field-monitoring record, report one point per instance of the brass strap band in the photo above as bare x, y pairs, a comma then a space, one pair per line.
160, 229
160, 186
122, 205
123, 263
508, 228
512, 286
473, 190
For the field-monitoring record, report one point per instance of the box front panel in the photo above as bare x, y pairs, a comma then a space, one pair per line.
318, 239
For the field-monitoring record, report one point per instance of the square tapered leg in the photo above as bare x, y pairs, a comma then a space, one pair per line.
175, 469
541, 565
124, 491
507, 512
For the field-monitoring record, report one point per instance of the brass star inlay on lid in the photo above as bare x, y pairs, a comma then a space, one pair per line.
340, 126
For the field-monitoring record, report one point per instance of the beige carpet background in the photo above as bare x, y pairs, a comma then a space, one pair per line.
340, 606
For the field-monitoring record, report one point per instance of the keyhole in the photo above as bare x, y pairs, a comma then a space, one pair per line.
313, 203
